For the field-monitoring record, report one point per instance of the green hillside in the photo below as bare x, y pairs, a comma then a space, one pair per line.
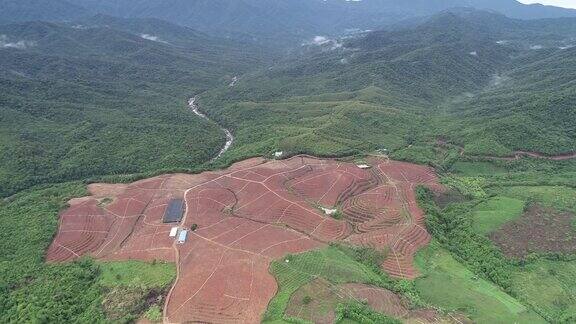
450, 77
462, 91
532, 109
84, 102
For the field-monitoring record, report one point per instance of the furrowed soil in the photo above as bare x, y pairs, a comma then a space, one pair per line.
246, 216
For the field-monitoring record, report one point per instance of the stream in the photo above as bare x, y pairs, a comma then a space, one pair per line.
229, 137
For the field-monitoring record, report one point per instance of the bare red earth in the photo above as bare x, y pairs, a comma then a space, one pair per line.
248, 215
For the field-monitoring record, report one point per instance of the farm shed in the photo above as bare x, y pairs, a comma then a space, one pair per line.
182, 237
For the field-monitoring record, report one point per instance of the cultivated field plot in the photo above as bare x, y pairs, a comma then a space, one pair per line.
244, 218
540, 230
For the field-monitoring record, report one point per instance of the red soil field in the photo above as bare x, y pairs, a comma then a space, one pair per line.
247, 216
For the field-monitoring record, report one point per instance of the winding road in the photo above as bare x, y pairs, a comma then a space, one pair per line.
229, 137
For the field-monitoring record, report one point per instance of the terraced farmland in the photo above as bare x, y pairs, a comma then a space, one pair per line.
244, 218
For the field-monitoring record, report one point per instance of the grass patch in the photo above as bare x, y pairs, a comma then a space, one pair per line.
450, 285
154, 314
132, 288
558, 197
549, 287
136, 273
471, 169
491, 214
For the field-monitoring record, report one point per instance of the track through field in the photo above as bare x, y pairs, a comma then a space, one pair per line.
248, 215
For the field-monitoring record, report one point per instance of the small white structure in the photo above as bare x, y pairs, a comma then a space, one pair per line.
278, 154
173, 231
363, 166
328, 211
182, 237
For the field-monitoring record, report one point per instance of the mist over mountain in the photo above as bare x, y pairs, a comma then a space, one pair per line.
267, 21
478, 59
440, 143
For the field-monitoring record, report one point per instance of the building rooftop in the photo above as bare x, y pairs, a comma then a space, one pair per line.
182, 236
174, 211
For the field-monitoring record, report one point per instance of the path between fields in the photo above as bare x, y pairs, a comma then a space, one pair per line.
229, 137
165, 318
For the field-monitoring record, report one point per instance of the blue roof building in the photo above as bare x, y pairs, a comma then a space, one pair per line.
182, 236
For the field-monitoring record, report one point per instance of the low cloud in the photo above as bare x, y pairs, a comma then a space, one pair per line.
536, 47
21, 44
323, 41
152, 38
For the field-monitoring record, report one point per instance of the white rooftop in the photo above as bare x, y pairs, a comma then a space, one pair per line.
328, 211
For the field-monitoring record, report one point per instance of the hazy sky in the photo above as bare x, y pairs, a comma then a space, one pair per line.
559, 3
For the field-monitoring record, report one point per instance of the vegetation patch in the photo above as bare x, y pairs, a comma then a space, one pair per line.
31, 290
539, 230
157, 274
154, 313
470, 187
471, 169
549, 286
134, 288
360, 313
558, 197
331, 264
318, 286
453, 229
448, 284
494, 212
105, 202
315, 302
450, 196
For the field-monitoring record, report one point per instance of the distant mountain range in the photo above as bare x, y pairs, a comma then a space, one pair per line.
483, 81
271, 21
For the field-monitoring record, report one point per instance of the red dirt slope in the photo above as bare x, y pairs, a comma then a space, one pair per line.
248, 215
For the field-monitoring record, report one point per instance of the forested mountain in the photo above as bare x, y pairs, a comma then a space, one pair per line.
83, 101
454, 59
531, 108
97, 90
267, 21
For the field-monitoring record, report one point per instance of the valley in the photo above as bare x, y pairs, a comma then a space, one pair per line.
229, 137
287, 161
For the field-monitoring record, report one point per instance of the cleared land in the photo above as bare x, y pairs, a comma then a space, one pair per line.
540, 230
247, 216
